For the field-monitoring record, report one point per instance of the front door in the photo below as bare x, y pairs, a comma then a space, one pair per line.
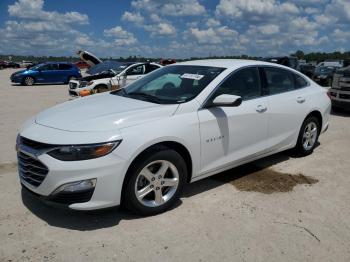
231, 135
49, 74
134, 73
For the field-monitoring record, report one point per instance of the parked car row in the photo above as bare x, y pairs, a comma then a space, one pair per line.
9, 64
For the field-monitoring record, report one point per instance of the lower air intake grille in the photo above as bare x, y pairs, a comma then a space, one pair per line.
31, 170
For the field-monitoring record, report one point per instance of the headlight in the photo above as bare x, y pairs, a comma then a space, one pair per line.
90, 83
83, 152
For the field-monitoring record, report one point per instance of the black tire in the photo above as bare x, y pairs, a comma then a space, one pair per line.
28, 81
300, 149
101, 88
129, 198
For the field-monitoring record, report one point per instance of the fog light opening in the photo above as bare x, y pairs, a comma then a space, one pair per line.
77, 186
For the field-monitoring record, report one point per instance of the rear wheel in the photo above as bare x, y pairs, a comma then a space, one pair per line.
28, 81
155, 182
308, 136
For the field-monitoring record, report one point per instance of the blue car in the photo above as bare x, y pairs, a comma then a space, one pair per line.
44, 73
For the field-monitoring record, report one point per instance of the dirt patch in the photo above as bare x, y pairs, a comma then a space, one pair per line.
8, 168
264, 180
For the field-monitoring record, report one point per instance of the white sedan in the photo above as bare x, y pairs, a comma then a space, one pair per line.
140, 145
124, 76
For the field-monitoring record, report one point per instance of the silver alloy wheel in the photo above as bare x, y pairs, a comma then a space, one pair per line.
29, 81
156, 183
309, 136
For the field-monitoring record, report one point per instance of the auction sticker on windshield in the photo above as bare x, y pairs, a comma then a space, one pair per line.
192, 76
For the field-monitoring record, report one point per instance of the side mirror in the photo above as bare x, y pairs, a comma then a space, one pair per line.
226, 101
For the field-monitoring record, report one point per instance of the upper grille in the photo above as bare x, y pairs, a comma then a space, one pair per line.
33, 144
341, 82
31, 170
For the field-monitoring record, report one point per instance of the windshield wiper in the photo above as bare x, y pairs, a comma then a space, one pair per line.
150, 98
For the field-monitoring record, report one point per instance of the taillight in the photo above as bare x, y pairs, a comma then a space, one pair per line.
329, 94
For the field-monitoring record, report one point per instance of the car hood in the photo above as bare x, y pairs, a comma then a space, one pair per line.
88, 58
98, 76
102, 112
19, 72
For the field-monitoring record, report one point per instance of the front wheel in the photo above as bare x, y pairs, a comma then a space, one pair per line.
29, 81
101, 88
155, 182
308, 136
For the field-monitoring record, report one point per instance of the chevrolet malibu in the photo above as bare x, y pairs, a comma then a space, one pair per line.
138, 146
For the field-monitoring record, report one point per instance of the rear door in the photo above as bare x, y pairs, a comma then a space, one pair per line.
231, 135
65, 71
287, 102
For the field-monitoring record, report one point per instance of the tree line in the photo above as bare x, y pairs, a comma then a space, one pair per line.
314, 56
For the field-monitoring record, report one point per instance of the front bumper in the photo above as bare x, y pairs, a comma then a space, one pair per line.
76, 86
108, 171
16, 80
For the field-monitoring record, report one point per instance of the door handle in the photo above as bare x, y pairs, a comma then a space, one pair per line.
261, 109
300, 100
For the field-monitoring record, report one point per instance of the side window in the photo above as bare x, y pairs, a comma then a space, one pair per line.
65, 67
300, 81
135, 70
54, 67
278, 80
244, 83
45, 67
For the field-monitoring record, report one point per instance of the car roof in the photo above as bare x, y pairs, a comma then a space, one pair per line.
66, 63
228, 63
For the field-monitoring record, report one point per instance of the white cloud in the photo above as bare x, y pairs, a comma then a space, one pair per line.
170, 8
269, 29
213, 36
122, 37
161, 29
136, 18
211, 22
340, 10
33, 9
254, 9
341, 36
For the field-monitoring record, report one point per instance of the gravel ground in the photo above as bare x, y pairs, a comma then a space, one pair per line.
279, 208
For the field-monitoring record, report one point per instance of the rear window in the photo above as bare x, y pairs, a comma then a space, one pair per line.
278, 80
300, 81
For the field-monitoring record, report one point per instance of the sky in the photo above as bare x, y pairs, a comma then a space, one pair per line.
173, 28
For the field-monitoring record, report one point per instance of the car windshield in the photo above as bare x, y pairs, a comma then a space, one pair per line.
171, 84
105, 66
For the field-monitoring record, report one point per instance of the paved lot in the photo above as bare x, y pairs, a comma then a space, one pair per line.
277, 209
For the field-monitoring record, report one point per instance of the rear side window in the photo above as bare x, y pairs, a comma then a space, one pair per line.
244, 83
300, 81
65, 67
278, 80
150, 68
